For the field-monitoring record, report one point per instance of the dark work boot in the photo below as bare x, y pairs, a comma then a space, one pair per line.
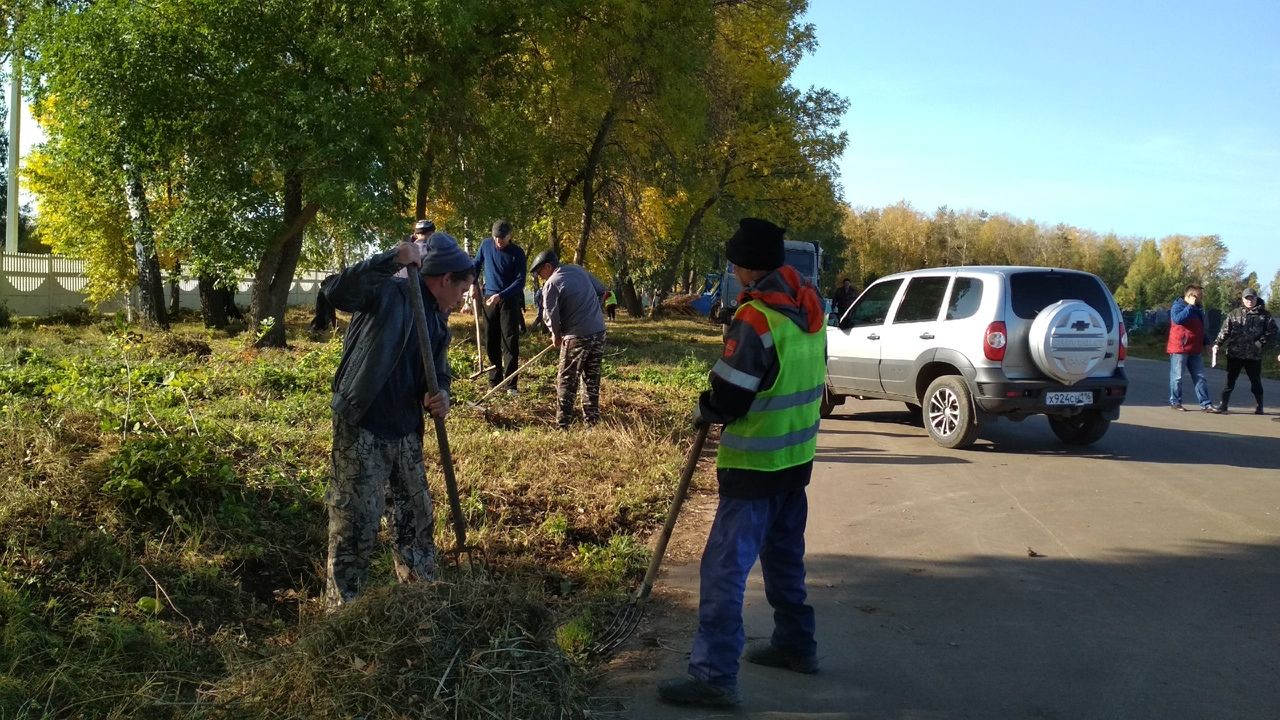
1258, 410
691, 691
768, 654
1226, 397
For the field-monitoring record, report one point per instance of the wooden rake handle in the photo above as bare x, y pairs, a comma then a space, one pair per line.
682, 490
433, 387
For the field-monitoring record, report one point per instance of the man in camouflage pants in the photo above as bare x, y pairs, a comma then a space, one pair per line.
379, 393
572, 301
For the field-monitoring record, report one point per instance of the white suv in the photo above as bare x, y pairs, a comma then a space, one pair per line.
963, 345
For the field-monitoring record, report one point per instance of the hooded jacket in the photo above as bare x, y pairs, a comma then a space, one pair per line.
1186, 329
379, 332
749, 365
1246, 330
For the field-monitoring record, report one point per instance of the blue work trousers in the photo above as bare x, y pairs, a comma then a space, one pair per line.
771, 529
1195, 366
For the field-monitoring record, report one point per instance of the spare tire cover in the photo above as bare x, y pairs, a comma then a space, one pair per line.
1068, 341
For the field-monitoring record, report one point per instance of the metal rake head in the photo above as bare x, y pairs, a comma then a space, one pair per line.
624, 623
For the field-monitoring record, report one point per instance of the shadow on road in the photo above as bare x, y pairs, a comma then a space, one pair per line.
879, 457
1137, 443
1187, 634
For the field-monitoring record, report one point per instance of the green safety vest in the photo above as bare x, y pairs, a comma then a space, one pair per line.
780, 430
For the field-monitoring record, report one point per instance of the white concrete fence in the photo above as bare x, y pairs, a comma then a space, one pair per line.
38, 285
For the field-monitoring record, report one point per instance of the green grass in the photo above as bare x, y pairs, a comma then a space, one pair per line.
163, 533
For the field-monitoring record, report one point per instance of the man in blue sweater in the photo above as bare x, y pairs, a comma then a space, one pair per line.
501, 265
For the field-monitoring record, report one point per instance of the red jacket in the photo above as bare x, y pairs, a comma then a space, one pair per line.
1186, 329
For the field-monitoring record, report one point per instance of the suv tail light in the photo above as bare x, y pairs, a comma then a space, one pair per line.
1124, 344
995, 341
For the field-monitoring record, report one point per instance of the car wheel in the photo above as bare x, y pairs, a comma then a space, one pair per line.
829, 403
1086, 428
915, 414
948, 413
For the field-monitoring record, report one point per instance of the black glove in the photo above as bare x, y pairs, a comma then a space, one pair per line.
698, 420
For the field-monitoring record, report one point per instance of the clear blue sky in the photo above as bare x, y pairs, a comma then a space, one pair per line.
1143, 118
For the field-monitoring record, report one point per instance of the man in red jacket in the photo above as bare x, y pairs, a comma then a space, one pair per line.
1186, 343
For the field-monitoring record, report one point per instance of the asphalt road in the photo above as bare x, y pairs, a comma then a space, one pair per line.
1153, 591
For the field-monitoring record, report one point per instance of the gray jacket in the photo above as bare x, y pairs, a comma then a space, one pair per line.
378, 331
571, 302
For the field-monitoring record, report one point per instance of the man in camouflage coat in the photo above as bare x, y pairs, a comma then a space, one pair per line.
1246, 330
379, 393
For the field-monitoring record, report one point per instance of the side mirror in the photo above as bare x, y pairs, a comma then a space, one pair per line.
826, 262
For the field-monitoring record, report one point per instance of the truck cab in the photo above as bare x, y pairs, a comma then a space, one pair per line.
806, 257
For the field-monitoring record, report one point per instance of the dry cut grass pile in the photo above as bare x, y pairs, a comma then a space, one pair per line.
472, 648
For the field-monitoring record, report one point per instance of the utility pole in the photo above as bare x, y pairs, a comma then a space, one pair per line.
15, 124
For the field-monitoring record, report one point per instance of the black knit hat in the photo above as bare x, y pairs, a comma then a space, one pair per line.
501, 228
442, 255
757, 245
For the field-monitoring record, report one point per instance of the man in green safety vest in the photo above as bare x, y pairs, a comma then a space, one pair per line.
766, 390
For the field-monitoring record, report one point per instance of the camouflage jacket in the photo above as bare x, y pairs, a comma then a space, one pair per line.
1245, 331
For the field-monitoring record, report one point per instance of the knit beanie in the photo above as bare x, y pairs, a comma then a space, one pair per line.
757, 245
442, 255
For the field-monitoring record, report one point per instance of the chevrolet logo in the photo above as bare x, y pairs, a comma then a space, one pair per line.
1080, 326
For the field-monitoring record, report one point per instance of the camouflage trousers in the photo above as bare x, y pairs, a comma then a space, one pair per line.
369, 474
580, 357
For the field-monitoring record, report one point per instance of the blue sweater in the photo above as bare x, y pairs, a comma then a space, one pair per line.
503, 270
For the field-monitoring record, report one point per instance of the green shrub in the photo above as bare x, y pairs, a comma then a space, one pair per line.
312, 372
6, 315
169, 476
611, 564
73, 316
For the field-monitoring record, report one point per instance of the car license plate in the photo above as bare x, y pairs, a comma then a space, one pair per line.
1078, 397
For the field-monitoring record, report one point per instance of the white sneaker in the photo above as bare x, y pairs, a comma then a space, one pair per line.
512, 391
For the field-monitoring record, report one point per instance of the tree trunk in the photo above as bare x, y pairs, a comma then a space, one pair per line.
274, 276
175, 299
628, 298
213, 302
150, 286
562, 199
589, 183
666, 280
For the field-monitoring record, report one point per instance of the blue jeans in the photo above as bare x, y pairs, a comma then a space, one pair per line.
1195, 365
772, 529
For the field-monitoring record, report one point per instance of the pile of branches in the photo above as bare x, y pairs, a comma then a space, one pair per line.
679, 306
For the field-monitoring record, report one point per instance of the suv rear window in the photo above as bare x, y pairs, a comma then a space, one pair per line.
966, 298
1036, 290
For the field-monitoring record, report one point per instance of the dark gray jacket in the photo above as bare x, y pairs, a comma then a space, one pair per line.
378, 331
